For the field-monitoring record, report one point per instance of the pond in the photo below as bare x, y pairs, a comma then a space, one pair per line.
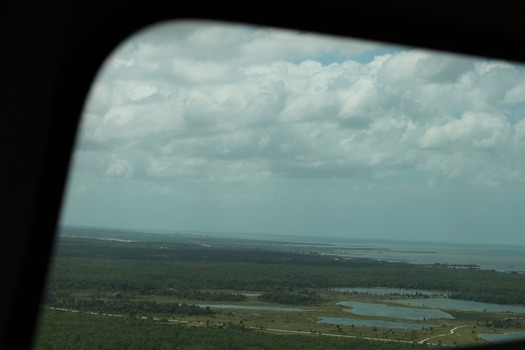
372, 323
380, 310
390, 291
500, 338
462, 305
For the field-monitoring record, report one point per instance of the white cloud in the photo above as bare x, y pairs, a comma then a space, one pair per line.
229, 104
516, 94
142, 91
120, 167
520, 132
471, 130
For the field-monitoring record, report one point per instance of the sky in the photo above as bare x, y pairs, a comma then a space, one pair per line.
202, 126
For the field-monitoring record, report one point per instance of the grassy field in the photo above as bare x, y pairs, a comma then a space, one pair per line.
463, 330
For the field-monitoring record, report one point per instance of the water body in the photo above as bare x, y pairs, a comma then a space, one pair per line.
462, 305
406, 313
505, 337
389, 291
250, 307
372, 323
487, 257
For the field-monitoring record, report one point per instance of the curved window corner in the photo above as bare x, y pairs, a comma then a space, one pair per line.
236, 184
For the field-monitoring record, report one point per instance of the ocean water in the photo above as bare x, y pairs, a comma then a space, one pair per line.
507, 258
486, 257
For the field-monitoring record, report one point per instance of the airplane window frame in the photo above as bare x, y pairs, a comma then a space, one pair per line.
55, 159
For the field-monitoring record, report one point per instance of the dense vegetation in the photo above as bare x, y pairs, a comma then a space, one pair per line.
188, 269
127, 307
62, 330
302, 297
145, 295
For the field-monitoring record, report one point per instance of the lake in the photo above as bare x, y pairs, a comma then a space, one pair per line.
381, 310
462, 305
389, 291
500, 338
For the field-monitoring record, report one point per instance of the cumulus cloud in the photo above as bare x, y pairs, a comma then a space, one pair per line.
472, 130
231, 103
